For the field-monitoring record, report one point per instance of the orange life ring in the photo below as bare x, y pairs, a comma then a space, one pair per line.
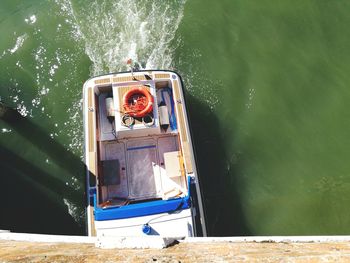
138, 106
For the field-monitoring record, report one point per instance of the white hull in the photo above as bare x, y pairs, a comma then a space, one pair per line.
168, 225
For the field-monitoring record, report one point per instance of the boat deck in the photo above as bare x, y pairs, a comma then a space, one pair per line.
136, 169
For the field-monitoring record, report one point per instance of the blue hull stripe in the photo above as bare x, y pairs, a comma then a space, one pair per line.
141, 209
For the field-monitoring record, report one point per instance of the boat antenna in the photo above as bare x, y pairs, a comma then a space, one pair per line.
129, 62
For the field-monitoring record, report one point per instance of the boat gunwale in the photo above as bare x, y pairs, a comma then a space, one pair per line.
142, 70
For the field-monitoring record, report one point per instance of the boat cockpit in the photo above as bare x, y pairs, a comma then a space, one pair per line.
139, 158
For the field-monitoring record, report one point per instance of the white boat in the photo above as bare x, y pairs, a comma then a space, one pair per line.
141, 171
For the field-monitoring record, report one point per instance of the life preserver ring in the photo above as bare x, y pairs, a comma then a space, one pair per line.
138, 106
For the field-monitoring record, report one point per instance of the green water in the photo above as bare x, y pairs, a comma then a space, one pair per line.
266, 82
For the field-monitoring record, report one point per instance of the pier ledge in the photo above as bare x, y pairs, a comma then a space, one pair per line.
15, 247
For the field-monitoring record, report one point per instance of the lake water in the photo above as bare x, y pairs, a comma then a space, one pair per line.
267, 84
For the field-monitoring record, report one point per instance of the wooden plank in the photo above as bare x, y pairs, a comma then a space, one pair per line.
187, 157
162, 76
180, 113
91, 115
92, 152
129, 78
92, 163
92, 223
103, 81
186, 151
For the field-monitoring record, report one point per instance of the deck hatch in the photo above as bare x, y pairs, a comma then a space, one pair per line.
141, 165
111, 172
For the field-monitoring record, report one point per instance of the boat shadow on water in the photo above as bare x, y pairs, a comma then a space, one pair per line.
32, 196
222, 202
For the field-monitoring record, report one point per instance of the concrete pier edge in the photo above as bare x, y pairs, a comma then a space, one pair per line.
7, 235
20, 247
162, 242
272, 239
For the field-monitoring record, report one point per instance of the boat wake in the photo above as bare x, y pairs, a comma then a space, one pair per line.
113, 32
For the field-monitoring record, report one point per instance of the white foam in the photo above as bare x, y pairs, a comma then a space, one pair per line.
67, 10
19, 43
251, 94
4, 130
114, 32
73, 210
31, 20
22, 109
76, 134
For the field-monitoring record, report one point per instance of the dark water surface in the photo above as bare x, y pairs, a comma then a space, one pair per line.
267, 87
